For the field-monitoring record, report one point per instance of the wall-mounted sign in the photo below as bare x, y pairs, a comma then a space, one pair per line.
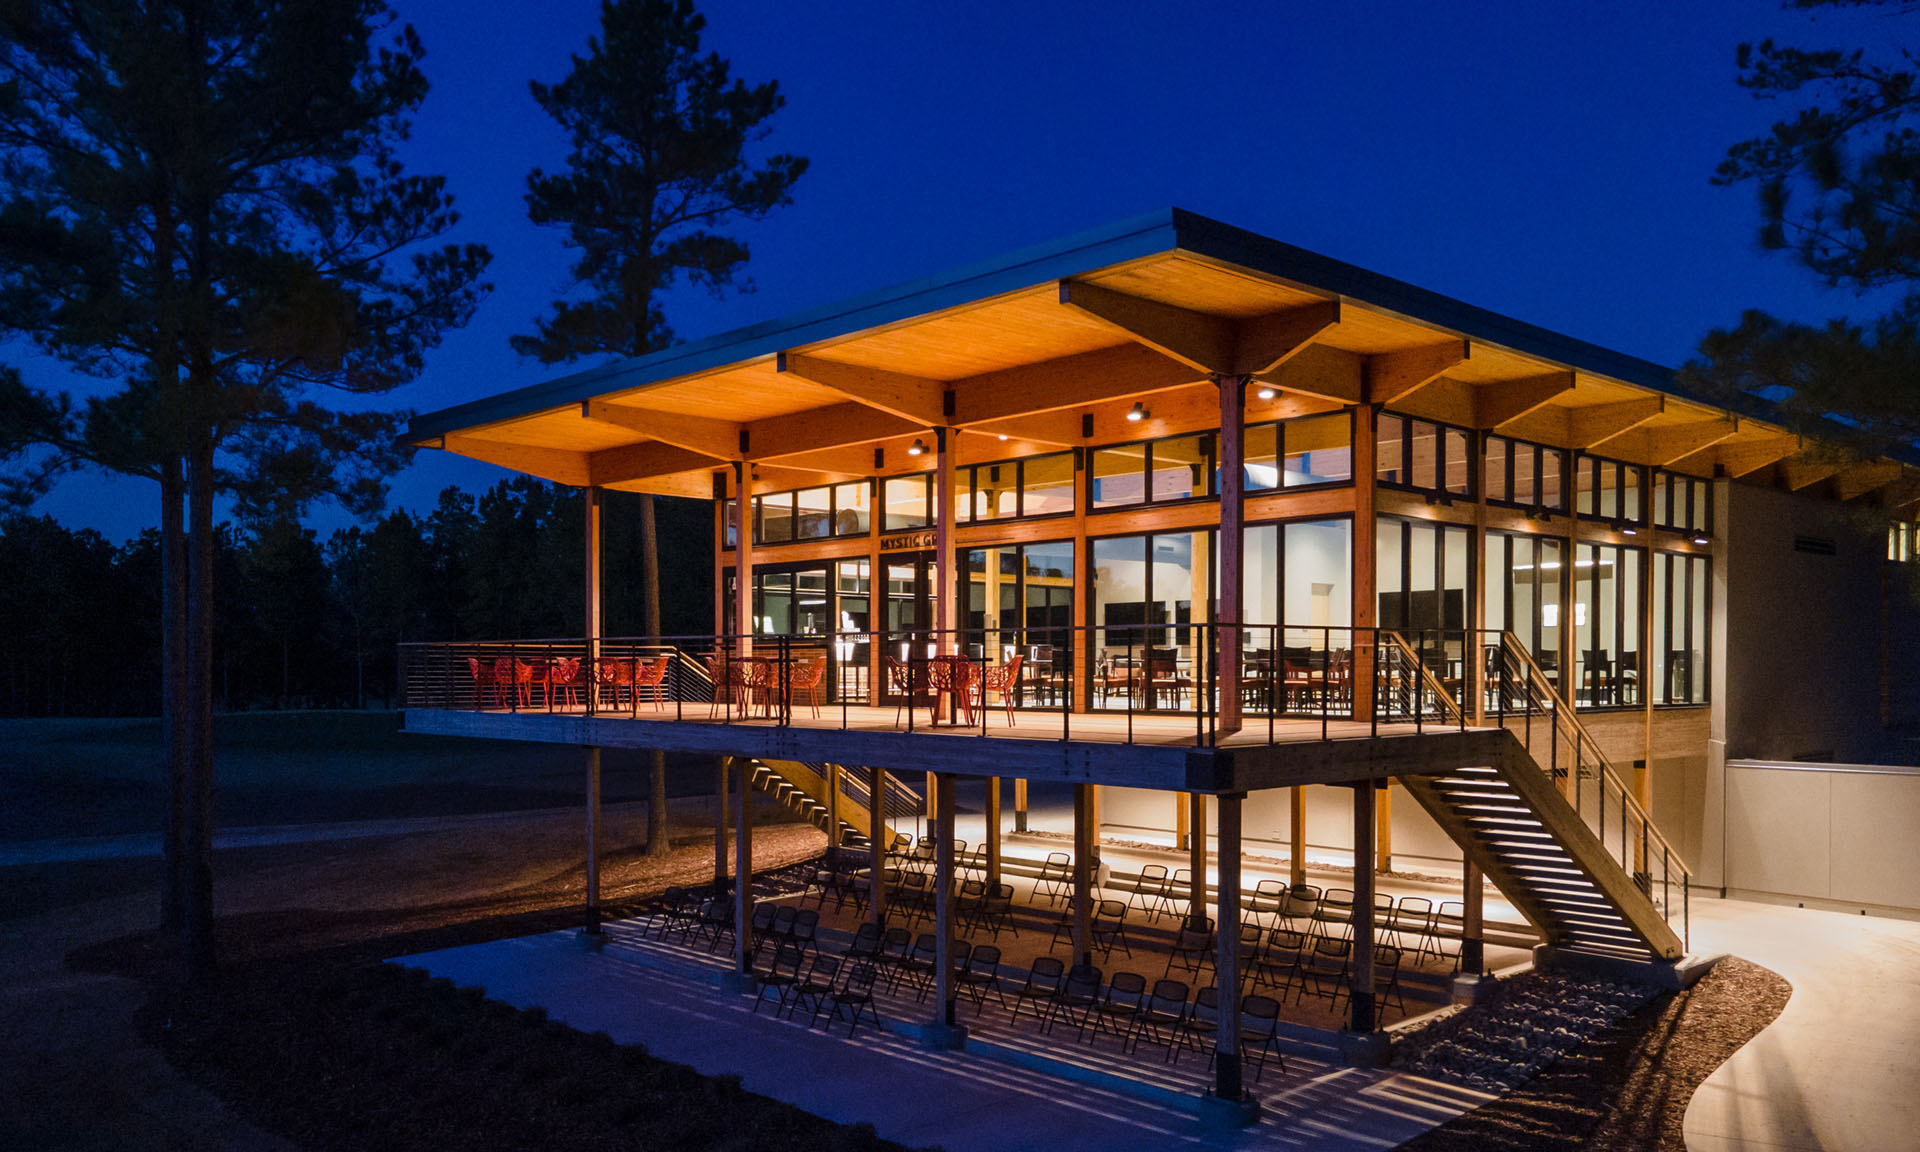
907, 542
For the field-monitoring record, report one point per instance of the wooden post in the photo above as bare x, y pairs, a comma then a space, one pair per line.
1197, 859
1363, 824
946, 613
590, 530
1472, 898
1383, 829
743, 620
1020, 804
593, 840
877, 845
743, 867
933, 800
590, 511
1093, 837
1082, 869
1181, 829
1366, 562
1297, 862
993, 831
1226, 1065
720, 823
943, 904
833, 811
1227, 612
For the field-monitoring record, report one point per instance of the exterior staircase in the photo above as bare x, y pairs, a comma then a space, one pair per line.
803, 789
1554, 828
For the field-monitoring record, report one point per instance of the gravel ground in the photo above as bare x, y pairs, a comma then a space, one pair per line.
1626, 1088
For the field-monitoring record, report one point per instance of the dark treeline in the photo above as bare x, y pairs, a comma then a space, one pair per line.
308, 622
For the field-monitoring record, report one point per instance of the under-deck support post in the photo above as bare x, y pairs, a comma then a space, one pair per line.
1082, 873
1363, 826
1180, 826
993, 831
944, 1031
877, 845
593, 841
1472, 900
1196, 859
1297, 858
833, 811
1227, 1083
1019, 803
720, 775
1383, 829
743, 867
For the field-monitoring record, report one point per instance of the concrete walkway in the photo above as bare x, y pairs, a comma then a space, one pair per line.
665, 997
1840, 1069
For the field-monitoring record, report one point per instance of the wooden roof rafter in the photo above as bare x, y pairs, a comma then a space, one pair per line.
1665, 445
1205, 342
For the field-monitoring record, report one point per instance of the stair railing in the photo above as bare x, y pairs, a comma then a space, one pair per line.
1633, 840
1404, 680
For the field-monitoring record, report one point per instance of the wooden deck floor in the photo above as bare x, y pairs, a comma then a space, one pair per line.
1141, 750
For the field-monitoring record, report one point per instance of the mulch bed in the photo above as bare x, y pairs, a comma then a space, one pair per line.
1626, 1090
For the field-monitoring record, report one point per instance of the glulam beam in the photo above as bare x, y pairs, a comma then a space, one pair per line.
1392, 375
914, 398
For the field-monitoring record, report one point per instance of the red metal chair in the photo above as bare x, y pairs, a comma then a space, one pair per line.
505, 681
565, 677
610, 675
905, 681
534, 675
1005, 680
652, 678
952, 676
483, 682
806, 676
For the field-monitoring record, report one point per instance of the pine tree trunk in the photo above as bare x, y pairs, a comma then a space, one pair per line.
657, 844
173, 682
197, 947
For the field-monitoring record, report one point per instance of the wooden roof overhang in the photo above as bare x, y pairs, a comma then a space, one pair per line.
1049, 347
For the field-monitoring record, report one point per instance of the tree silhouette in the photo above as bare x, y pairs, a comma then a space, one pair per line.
201, 200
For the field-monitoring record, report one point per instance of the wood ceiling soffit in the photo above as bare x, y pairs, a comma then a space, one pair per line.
1202, 340
1665, 445
1597, 423
1322, 371
701, 434
1504, 401
691, 485
1805, 471
914, 398
556, 464
643, 461
1863, 478
1392, 375
1066, 382
781, 478
835, 426
1198, 339
1749, 456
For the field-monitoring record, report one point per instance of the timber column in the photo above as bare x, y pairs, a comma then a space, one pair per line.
1227, 612
589, 677
743, 621
944, 1030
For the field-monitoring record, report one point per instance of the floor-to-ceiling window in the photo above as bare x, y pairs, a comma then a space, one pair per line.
1146, 589
1018, 602
1422, 582
1297, 581
1606, 625
1523, 577
1681, 586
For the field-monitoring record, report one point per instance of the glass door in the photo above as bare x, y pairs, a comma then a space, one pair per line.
910, 611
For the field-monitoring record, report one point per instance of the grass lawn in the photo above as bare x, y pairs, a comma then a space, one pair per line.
97, 777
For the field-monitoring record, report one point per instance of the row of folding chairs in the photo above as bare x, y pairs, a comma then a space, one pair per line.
834, 987
1288, 960
1168, 1015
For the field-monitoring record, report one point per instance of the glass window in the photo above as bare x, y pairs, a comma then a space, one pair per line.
1425, 448
1261, 458
1181, 467
1459, 473
813, 513
1319, 449
730, 523
906, 502
776, 517
1496, 480
1680, 602
1552, 491
1606, 611
1390, 449
1046, 485
853, 508
1523, 594
1119, 475
1145, 589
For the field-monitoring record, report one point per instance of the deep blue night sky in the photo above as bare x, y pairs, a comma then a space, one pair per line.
1547, 161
